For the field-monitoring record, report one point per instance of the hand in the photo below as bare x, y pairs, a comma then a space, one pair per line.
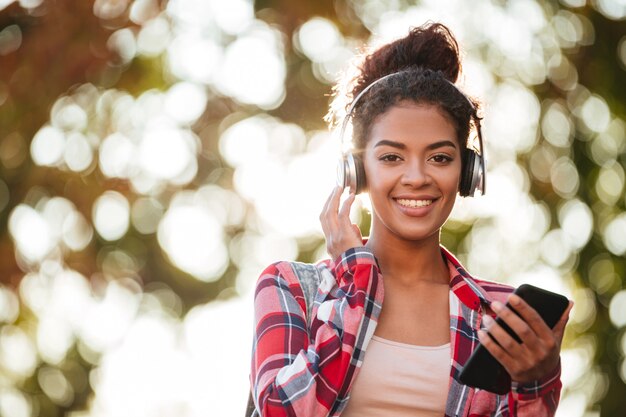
340, 233
538, 354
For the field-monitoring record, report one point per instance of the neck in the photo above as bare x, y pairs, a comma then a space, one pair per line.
408, 262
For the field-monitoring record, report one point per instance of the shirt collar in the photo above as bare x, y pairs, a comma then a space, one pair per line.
463, 285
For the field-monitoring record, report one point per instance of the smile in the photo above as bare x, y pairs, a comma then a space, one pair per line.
414, 203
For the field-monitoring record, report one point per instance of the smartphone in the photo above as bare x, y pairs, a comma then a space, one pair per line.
484, 371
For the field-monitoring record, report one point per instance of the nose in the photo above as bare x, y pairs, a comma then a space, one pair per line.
416, 175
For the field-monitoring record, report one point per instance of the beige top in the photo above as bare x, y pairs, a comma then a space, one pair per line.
397, 380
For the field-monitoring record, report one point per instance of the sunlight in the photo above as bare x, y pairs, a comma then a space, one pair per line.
253, 70
54, 339
76, 231
234, 18
613, 9
595, 113
31, 233
116, 155
209, 158
246, 141
193, 57
9, 305
78, 154
105, 322
513, 119
556, 126
564, 177
617, 309
56, 386
576, 219
124, 43
144, 375
111, 215
154, 37
146, 214
165, 152
610, 183
18, 356
613, 235
67, 115
10, 38
48, 146
317, 37
193, 239
13, 402
185, 102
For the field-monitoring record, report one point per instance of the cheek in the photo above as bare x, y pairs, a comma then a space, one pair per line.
453, 179
377, 179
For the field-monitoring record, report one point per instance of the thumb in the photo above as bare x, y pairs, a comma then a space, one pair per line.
357, 231
559, 329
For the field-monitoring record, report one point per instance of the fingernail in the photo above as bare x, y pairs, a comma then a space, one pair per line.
487, 320
514, 299
497, 306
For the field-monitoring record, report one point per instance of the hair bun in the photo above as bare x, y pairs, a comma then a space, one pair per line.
430, 46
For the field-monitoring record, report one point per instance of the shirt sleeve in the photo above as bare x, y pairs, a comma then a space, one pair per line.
292, 373
537, 399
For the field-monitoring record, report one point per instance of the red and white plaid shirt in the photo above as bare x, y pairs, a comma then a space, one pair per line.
308, 372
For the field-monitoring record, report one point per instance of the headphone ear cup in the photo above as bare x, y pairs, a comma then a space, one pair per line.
351, 174
359, 170
343, 172
467, 173
472, 174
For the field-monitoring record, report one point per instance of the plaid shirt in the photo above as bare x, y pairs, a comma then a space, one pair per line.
305, 366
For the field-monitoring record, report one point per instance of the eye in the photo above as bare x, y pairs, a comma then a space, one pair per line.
441, 158
390, 157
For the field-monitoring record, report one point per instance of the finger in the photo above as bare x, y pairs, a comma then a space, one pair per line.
507, 343
493, 347
559, 328
357, 231
517, 324
344, 213
333, 201
327, 219
329, 200
530, 316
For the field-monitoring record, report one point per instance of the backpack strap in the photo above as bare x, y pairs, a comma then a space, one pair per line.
310, 278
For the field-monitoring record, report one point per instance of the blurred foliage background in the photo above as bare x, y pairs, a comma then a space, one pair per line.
156, 155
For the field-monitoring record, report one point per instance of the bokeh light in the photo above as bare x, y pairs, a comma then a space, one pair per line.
189, 134
111, 215
253, 69
31, 233
193, 238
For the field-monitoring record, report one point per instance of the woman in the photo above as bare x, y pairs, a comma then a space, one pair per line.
353, 352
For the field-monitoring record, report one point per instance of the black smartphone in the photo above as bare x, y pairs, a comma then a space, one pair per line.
482, 370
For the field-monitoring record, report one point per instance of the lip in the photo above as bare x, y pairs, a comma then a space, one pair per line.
415, 211
415, 197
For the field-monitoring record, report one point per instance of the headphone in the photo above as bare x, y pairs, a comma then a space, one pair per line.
351, 173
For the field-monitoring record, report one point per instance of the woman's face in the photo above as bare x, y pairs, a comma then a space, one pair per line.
412, 164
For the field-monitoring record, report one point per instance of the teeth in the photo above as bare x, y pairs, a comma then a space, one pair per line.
414, 203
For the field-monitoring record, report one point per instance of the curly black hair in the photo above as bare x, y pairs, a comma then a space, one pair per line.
425, 65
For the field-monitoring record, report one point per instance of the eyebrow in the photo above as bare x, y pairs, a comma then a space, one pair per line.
398, 145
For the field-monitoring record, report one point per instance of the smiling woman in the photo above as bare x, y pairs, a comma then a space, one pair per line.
413, 171
387, 324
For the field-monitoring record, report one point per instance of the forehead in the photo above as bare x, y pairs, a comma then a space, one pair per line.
412, 123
